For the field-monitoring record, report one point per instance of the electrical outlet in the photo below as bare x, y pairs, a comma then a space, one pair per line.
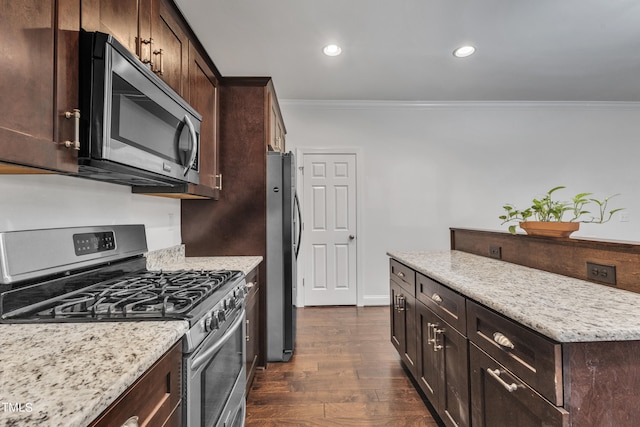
601, 273
495, 252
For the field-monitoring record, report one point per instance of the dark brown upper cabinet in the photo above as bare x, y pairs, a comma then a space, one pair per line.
39, 84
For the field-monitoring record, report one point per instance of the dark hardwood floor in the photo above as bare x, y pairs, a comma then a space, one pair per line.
344, 372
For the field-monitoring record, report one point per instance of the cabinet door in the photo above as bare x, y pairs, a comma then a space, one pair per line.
116, 17
454, 371
170, 46
403, 330
442, 367
499, 398
38, 83
427, 366
203, 96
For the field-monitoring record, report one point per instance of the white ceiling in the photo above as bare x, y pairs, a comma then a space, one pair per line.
534, 50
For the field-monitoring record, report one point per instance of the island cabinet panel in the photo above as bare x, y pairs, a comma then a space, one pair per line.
602, 383
442, 366
499, 398
154, 399
39, 74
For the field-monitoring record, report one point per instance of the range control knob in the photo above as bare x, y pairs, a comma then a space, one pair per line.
232, 303
222, 316
213, 322
206, 323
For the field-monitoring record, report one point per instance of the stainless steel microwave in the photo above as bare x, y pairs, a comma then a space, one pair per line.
134, 129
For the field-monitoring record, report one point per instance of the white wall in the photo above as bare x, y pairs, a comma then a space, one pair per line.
429, 167
47, 201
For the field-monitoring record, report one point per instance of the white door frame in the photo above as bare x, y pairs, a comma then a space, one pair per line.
300, 152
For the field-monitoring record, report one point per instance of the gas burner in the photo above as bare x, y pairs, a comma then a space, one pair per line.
137, 295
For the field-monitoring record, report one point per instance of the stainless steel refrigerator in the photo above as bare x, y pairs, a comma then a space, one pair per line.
284, 227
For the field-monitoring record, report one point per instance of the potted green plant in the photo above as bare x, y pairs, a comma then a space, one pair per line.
546, 215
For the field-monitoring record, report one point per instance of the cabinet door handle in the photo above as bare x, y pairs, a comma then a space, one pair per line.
247, 336
400, 274
430, 339
131, 422
402, 303
218, 178
159, 70
437, 298
437, 332
75, 115
502, 340
147, 61
496, 375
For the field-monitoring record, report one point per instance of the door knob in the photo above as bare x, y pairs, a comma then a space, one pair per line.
351, 237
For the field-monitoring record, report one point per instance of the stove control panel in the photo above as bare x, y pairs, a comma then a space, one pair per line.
91, 243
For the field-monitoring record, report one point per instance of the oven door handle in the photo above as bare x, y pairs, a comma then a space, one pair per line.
206, 355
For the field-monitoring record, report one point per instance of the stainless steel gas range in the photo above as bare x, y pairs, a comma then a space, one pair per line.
98, 274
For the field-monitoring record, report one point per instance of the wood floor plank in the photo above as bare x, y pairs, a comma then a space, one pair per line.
344, 372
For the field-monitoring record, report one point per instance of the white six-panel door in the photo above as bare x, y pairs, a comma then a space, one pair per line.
329, 218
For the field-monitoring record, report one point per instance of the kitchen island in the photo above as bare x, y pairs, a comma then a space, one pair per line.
67, 374
563, 348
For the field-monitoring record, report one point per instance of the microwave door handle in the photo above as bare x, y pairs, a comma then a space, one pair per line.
194, 145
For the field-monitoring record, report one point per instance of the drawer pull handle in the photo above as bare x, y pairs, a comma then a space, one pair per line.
496, 374
131, 422
437, 298
502, 340
400, 274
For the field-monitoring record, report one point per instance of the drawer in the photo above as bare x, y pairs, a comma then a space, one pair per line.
403, 276
499, 398
443, 301
534, 358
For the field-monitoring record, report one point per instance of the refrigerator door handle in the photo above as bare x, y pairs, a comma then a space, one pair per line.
298, 237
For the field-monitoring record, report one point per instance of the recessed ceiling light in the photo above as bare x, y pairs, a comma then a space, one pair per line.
332, 50
464, 51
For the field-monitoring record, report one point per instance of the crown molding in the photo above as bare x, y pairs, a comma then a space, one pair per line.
426, 105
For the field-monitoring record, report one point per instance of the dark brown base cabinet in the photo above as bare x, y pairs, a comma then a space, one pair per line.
155, 398
479, 368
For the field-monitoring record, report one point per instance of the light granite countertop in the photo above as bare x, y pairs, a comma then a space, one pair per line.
174, 259
66, 374
562, 308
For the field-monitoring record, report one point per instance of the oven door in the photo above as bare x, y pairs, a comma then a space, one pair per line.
216, 378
